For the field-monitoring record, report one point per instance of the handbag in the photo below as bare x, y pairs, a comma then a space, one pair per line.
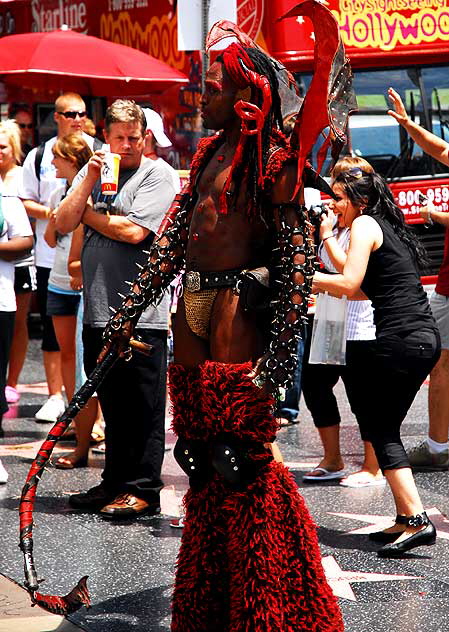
328, 344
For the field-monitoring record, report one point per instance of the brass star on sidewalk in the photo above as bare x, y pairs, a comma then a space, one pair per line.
377, 523
340, 580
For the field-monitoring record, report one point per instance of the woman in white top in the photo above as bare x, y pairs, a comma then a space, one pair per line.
70, 153
25, 272
16, 240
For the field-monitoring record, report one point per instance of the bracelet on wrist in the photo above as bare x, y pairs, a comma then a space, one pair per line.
328, 237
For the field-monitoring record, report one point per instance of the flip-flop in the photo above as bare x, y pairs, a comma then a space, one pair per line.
326, 475
374, 482
284, 422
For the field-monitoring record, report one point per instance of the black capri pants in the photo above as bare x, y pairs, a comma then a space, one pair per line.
401, 364
318, 381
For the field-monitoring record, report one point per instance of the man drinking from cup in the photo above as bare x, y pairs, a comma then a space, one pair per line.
119, 228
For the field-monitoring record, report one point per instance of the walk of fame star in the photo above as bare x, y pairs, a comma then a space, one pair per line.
340, 580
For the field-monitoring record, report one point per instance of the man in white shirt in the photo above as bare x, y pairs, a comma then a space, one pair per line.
39, 182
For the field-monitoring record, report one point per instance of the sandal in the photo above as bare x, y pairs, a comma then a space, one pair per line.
100, 448
97, 434
65, 462
323, 474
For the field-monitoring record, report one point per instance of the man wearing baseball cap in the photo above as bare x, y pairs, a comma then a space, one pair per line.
156, 137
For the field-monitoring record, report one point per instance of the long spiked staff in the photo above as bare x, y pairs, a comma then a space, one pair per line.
79, 595
169, 258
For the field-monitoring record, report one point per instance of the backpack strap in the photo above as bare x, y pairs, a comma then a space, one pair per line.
38, 160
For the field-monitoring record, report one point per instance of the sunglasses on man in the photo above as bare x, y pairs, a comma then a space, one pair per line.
72, 115
25, 125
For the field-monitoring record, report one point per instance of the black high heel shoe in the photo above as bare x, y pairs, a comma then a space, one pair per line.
425, 537
384, 537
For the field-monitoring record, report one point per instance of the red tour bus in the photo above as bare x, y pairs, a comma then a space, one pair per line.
398, 43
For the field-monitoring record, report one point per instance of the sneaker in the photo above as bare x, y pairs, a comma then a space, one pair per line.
51, 410
95, 498
3, 474
421, 458
177, 523
12, 395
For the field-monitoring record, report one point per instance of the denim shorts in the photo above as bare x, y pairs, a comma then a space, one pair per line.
62, 304
439, 305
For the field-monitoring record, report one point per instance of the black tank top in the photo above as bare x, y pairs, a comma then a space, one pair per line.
393, 285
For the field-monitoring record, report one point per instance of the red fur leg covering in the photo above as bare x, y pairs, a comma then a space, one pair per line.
201, 589
249, 559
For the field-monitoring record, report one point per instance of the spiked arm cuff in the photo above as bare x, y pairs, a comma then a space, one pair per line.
165, 259
295, 258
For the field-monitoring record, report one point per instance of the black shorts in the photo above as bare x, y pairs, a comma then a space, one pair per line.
49, 342
24, 279
62, 304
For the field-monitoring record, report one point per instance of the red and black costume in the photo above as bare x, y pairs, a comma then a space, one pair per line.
249, 557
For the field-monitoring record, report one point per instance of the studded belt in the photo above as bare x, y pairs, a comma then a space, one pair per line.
195, 281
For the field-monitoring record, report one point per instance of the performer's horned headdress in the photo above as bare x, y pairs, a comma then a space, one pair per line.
328, 102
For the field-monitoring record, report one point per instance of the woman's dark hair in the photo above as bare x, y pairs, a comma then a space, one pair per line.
370, 191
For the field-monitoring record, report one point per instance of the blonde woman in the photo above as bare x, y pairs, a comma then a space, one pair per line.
25, 272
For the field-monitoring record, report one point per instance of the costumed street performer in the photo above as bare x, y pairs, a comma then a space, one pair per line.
249, 557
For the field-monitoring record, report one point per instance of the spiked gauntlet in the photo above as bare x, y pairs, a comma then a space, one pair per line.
295, 255
165, 259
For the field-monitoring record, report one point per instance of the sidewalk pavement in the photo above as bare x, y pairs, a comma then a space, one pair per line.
17, 615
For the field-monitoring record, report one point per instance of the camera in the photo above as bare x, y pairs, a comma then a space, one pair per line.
315, 213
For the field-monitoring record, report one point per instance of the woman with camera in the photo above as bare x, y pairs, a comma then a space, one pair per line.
382, 264
319, 380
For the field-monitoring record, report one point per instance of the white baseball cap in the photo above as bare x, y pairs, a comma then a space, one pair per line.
156, 126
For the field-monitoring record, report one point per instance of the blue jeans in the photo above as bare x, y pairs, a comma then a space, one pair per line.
289, 408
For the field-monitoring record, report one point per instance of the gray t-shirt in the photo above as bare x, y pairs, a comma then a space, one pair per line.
144, 195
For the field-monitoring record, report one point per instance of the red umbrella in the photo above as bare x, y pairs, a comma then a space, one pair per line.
68, 60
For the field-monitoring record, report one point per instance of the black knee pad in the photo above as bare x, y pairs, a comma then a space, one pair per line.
228, 462
239, 462
193, 458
